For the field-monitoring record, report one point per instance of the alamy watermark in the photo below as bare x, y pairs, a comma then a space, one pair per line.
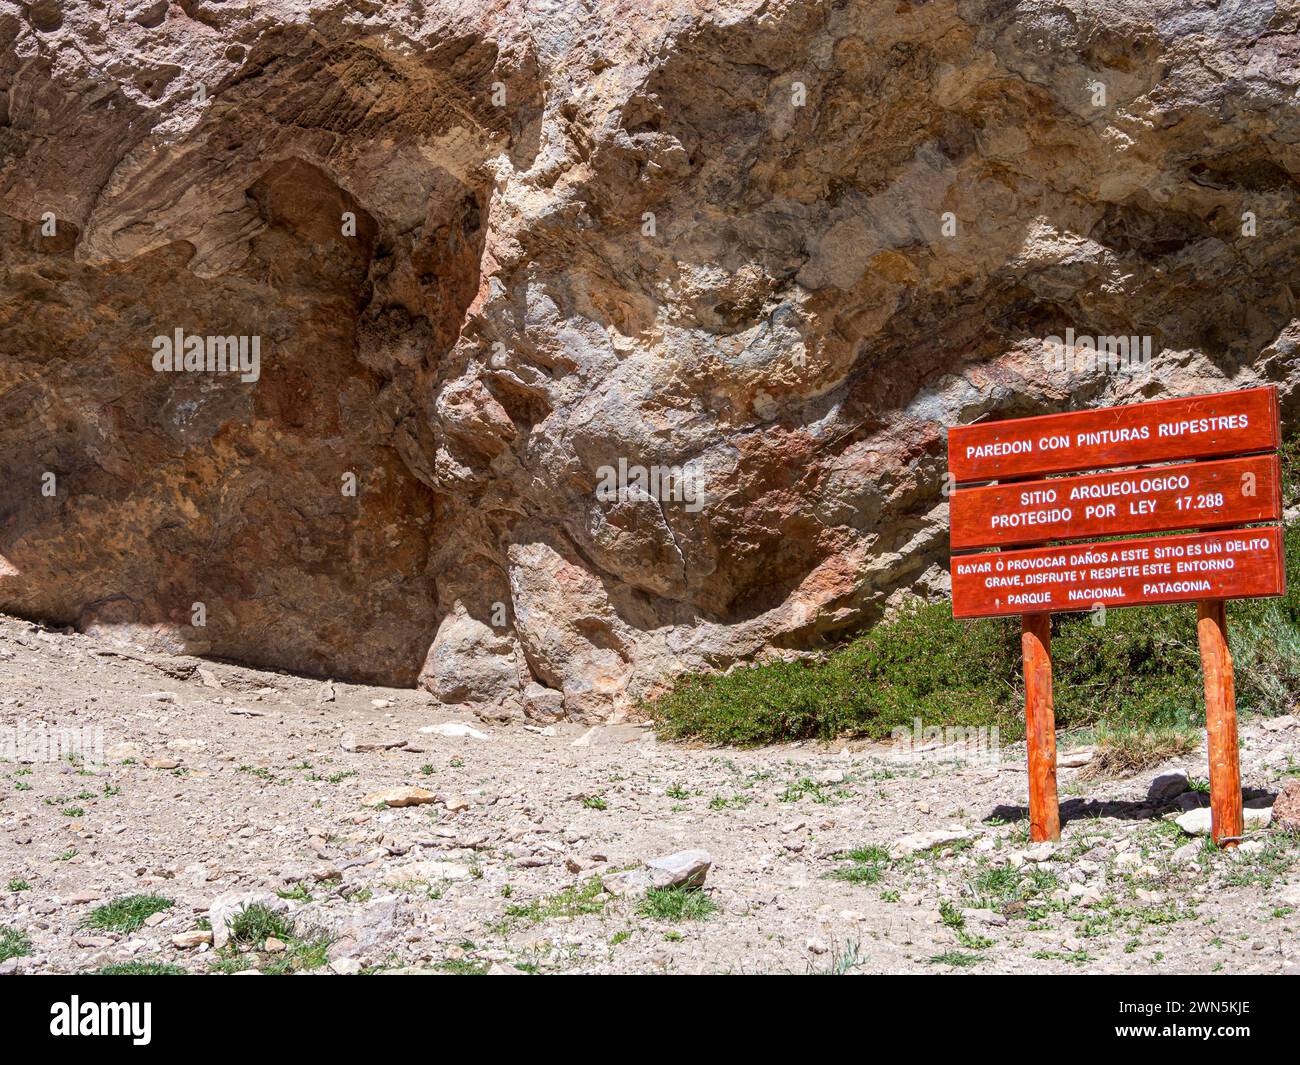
947, 743
51, 743
667, 484
133, 1020
1076, 353
210, 354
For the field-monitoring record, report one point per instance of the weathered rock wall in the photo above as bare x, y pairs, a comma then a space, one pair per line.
766, 252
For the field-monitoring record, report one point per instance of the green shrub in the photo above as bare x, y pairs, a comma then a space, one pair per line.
922, 664
1140, 671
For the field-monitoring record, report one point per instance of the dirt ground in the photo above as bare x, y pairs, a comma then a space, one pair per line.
227, 785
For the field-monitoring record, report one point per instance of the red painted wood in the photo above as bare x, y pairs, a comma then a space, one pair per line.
1226, 816
1167, 430
1119, 573
1040, 727
1198, 495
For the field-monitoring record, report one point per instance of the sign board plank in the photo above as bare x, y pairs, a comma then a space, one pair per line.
1237, 564
1196, 427
1198, 495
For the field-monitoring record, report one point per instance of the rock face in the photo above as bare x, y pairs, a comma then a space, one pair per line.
637, 328
1286, 808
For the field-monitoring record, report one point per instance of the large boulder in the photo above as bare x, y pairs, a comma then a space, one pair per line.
598, 346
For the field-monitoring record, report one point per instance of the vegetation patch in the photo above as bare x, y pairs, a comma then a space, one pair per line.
585, 898
141, 968
252, 926
677, 904
955, 958
13, 943
1123, 752
126, 914
865, 865
1140, 673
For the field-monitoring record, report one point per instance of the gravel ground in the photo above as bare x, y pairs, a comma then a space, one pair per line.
223, 786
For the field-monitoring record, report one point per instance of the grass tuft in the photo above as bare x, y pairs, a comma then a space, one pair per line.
13, 943
1123, 752
864, 865
252, 926
955, 958
585, 898
141, 968
677, 904
126, 914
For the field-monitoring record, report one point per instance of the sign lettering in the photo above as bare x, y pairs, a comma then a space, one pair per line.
1213, 426
1171, 569
1199, 495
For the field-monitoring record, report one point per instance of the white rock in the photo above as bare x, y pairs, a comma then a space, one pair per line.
120, 752
630, 882
189, 940
454, 730
683, 869
1197, 822
1289, 896
924, 841
403, 796
611, 736
429, 871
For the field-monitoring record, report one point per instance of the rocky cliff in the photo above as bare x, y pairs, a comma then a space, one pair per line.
597, 341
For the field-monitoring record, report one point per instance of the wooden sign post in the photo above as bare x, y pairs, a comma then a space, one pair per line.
1239, 559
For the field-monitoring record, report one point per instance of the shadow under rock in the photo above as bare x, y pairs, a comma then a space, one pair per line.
1159, 801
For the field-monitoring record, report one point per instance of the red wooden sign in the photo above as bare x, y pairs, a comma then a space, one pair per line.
1225, 423
1207, 568
1238, 564
1199, 495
